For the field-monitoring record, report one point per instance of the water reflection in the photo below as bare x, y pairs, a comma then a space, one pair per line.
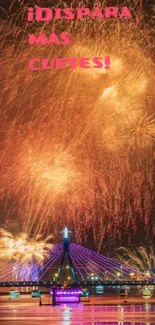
99, 315
67, 315
113, 323
78, 314
125, 308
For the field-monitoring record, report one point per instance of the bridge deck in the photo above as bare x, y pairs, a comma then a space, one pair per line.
82, 283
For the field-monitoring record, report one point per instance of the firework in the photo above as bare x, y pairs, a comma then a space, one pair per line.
21, 248
141, 257
77, 144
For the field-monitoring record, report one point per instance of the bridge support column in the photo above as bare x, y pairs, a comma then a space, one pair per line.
66, 251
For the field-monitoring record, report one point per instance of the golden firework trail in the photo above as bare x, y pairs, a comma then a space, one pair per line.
77, 145
139, 257
22, 248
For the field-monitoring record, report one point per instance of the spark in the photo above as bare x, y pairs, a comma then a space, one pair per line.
140, 257
77, 145
22, 248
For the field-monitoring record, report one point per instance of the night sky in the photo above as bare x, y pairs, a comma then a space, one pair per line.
141, 234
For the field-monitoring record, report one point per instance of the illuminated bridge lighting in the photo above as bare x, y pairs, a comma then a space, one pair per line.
85, 266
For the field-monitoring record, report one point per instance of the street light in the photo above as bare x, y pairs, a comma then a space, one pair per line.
55, 276
118, 274
148, 273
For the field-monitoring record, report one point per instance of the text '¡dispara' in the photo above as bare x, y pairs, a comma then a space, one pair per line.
48, 14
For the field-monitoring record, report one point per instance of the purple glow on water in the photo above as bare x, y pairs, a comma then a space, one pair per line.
79, 314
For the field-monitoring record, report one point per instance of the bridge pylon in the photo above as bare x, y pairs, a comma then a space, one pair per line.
66, 242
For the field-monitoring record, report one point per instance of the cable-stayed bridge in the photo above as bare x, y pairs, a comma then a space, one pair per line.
72, 264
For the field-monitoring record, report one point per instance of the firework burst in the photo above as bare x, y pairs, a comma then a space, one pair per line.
141, 258
23, 249
77, 144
